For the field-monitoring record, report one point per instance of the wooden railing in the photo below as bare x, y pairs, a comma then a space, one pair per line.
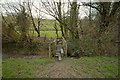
53, 47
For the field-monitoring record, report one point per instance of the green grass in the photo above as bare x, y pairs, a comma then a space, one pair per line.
86, 67
22, 68
47, 24
48, 33
0, 67
97, 67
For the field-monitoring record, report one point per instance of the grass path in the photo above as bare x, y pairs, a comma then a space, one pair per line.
84, 67
59, 69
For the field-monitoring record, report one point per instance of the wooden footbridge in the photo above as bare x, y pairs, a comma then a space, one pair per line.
58, 48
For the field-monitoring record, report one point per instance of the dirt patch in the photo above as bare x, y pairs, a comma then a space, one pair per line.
59, 69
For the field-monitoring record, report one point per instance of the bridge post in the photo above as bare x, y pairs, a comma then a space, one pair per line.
65, 46
49, 50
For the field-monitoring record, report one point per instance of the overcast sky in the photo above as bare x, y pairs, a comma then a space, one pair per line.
82, 11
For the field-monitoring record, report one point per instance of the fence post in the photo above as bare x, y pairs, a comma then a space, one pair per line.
65, 46
49, 50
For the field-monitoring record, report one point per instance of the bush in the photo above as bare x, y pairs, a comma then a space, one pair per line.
74, 49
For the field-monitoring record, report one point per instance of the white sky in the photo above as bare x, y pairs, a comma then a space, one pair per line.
2, 1
82, 11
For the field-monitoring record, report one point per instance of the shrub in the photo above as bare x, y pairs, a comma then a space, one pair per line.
74, 49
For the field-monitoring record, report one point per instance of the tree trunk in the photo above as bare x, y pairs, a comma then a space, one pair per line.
119, 38
38, 33
74, 19
33, 22
56, 30
60, 17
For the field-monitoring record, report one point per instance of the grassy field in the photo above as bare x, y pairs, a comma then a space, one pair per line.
23, 68
48, 24
48, 33
48, 28
0, 67
84, 67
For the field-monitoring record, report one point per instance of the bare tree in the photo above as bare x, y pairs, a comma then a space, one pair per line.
60, 17
106, 11
54, 9
23, 23
36, 26
56, 29
74, 19
9, 22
